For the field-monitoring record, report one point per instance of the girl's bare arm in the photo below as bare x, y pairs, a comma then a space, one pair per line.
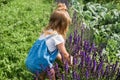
64, 53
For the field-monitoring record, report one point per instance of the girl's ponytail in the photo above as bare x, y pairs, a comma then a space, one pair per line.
61, 6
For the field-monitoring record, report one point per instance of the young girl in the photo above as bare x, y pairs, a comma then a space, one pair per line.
53, 37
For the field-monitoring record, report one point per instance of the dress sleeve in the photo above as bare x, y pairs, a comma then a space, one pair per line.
58, 39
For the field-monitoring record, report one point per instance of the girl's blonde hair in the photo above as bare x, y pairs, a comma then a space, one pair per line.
59, 20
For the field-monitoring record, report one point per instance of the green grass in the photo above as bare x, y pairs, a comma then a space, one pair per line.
21, 22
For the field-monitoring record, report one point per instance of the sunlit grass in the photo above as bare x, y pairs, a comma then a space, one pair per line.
21, 22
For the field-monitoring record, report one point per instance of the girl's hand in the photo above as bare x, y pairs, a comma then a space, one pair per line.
71, 60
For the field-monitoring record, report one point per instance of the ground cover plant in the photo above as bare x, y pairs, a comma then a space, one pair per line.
21, 22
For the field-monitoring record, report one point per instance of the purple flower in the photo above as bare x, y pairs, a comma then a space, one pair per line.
91, 48
66, 67
74, 60
106, 71
56, 68
91, 60
102, 72
87, 74
100, 66
114, 68
86, 46
82, 58
49, 73
94, 65
63, 76
88, 60
74, 74
78, 39
78, 77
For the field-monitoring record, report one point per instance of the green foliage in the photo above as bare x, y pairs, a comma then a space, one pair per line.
103, 1
3, 2
20, 25
104, 22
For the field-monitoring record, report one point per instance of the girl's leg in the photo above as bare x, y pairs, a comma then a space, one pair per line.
51, 74
42, 76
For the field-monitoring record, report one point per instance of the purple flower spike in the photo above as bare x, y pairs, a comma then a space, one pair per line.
57, 70
86, 46
84, 55
94, 65
74, 60
49, 73
82, 58
66, 67
74, 75
63, 76
81, 63
87, 74
100, 66
106, 71
102, 72
79, 39
88, 60
78, 77
91, 48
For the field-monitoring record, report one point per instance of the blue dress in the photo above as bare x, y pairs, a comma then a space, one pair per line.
39, 57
